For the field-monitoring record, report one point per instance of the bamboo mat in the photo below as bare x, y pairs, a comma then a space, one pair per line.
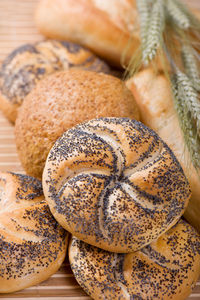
17, 28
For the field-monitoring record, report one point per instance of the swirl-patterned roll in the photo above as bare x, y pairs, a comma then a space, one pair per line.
113, 183
166, 269
32, 244
28, 64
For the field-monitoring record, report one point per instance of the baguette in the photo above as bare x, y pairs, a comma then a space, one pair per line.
153, 96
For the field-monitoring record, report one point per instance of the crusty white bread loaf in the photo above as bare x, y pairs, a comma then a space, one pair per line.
154, 98
32, 244
110, 28
113, 183
166, 269
61, 101
28, 64
101, 25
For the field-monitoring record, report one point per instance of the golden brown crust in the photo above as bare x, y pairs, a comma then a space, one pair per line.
154, 98
60, 102
113, 35
32, 244
108, 36
9, 109
28, 64
166, 269
113, 183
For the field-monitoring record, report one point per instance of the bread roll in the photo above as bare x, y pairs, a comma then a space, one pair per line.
61, 101
32, 244
113, 183
101, 25
166, 269
28, 64
153, 95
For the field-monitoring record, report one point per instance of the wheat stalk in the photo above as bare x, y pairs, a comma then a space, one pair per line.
190, 133
144, 13
178, 16
156, 16
190, 65
154, 31
189, 97
192, 18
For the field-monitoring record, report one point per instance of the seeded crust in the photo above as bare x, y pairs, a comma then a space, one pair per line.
28, 64
32, 244
166, 269
61, 101
113, 183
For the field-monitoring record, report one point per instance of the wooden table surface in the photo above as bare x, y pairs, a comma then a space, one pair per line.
17, 28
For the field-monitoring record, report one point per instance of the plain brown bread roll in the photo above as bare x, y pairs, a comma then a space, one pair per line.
101, 25
166, 269
28, 64
113, 183
153, 95
32, 244
61, 101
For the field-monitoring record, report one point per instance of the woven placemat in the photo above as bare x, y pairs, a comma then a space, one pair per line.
17, 28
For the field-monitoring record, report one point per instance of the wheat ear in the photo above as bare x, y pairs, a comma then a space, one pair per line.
190, 65
186, 123
192, 18
189, 97
177, 15
144, 13
155, 31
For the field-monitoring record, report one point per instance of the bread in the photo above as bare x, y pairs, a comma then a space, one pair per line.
28, 64
110, 28
166, 269
32, 244
101, 25
61, 101
154, 98
113, 183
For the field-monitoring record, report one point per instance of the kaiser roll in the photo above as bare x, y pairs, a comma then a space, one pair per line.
61, 101
166, 269
32, 244
28, 64
113, 183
